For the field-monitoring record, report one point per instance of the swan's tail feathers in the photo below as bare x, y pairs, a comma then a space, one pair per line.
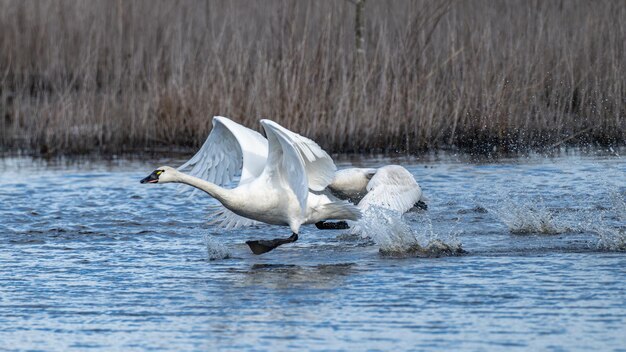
341, 210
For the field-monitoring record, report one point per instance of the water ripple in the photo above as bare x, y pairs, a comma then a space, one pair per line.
91, 259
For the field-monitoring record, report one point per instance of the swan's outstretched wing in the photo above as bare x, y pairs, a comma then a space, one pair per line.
297, 161
229, 148
319, 166
228, 220
392, 187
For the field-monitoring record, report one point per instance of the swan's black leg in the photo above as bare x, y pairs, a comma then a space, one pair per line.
339, 225
264, 246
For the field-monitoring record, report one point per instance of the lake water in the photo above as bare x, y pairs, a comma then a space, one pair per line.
92, 260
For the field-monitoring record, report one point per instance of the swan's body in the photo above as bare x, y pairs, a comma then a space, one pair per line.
278, 204
231, 147
280, 193
352, 183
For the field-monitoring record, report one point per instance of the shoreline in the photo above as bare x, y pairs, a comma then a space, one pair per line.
426, 155
485, 146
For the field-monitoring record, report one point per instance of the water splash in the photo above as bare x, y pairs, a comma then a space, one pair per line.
610, 239
215, 249
618, 204
534, 217
525, 217
396, 238
599, 223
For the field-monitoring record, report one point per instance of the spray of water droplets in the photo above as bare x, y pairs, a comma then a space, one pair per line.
215, 249
533, 216
396, 238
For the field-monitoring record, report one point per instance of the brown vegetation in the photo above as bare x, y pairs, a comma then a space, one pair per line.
113, 76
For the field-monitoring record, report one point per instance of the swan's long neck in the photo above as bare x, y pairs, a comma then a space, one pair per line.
215, 191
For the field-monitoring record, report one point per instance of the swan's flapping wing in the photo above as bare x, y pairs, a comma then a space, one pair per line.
319, 166
298, 161
392, 187
229, 148
228, 220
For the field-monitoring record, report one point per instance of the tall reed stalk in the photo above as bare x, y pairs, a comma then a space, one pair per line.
111, 76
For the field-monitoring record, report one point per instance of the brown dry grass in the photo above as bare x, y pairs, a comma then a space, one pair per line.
78, 76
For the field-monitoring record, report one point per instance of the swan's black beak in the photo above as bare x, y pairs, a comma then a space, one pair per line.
152, 178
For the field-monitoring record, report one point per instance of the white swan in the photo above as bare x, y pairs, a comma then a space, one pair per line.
392, 187
279, 194
231, 147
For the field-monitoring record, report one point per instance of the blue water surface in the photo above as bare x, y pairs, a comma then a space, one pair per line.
92, 260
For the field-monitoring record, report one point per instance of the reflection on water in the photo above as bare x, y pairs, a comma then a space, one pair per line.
289, 276
91, 259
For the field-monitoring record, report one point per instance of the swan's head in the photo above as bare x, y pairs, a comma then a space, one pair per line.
163, 174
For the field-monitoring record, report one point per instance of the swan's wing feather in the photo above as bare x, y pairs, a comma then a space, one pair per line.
253, 147
229, 148
319, 166
285, 163
228, 220
219, 158
392, 187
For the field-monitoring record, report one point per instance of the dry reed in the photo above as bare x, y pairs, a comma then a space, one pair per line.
112, 76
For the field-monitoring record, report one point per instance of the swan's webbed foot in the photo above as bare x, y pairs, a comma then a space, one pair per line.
339, 225
264, 246
421, 205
